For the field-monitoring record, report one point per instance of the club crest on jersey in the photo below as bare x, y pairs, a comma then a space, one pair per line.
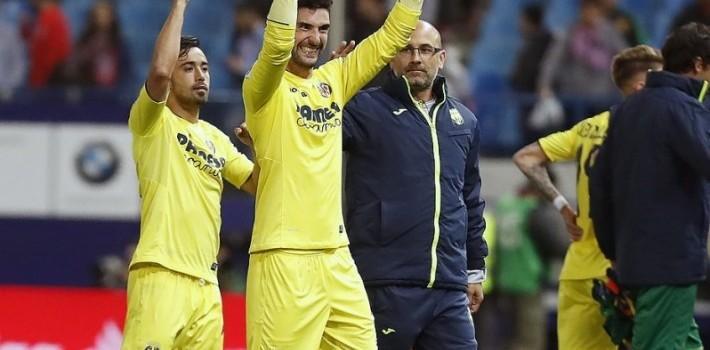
325, 89
456, 116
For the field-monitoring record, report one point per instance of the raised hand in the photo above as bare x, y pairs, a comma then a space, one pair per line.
243, 135
343, 49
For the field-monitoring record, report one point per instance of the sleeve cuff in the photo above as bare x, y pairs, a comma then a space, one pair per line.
146, 96
414, 5
476, 276
283, 12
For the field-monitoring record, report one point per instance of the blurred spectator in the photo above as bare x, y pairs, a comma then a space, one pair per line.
578, 63
698, 11
526, 70
369, 16
100, 57
112, 270
577, 66
12, 54
456, 68
49, 43
520, 271
624, 23
233, 258
536, 41
246, 42
530, 237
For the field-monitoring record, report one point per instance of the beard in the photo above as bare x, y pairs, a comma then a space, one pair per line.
420, 83
199, 98
194, 98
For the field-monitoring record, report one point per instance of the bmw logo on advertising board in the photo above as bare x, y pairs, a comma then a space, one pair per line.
97, 162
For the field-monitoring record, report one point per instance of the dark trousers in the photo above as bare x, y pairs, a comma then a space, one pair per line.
421, 319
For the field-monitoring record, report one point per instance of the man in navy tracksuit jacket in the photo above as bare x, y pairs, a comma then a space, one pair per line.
648, 193
414, 213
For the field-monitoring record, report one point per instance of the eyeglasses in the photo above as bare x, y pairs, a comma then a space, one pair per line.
425, 51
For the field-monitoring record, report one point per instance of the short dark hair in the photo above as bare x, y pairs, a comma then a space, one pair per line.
634, 60
684, 45
534, 13
186, 43
315, 4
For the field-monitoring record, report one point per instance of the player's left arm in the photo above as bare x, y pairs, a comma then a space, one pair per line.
532, 161
373, 53
476, 247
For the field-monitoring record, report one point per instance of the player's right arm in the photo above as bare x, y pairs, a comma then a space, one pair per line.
533, 159
144, 116
265, 76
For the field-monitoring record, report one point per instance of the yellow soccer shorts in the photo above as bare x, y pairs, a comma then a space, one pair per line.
580, 323
170, 310
307, 300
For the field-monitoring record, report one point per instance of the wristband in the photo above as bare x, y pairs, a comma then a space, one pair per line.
560, 202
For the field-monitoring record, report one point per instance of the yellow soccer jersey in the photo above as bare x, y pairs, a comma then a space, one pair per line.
296, 125
584, 258
180, 168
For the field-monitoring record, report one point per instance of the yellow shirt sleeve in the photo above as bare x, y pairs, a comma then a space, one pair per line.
561, 145
268, 70
145, 115
373, 53
237, 167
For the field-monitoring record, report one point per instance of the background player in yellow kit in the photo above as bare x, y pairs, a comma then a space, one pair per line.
303, 289
579, 321
173, 298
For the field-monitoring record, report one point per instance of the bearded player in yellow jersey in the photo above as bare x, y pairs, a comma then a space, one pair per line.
303, 289
181, 160
579, 320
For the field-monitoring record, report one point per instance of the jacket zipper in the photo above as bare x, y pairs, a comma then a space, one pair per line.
437, 181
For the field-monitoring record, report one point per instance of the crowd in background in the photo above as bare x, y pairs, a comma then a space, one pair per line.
558, 77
